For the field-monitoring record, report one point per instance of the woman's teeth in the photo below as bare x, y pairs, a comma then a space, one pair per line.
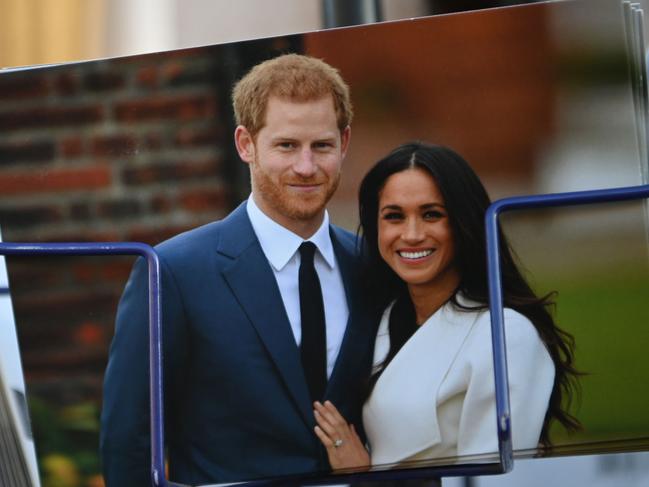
415, 255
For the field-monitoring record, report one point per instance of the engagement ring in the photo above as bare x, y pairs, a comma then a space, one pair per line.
338, 443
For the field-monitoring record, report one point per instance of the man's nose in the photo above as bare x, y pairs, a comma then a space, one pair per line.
305, 165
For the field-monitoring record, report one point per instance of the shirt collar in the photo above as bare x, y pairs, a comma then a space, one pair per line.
280, 244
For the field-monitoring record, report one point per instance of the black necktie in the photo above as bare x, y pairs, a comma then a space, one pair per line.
313, 347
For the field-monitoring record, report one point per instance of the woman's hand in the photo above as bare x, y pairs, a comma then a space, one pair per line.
345, 449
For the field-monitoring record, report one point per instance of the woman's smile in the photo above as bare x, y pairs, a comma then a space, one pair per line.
415, 256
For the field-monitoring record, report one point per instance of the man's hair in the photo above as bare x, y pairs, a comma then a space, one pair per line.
290, 77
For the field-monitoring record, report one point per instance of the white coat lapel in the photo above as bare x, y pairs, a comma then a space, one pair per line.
400, 416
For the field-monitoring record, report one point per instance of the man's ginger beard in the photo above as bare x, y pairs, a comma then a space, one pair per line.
288, 203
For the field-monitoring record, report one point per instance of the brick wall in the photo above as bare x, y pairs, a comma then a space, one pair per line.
119, 150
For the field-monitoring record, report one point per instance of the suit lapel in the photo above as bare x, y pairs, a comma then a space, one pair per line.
253, 284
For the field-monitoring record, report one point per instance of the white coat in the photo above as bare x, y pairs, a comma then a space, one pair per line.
436, 399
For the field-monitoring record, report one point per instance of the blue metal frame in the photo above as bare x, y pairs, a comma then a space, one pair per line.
155, 363
495, 283
497, 329
155, 324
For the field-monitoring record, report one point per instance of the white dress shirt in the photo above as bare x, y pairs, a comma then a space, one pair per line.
280, 246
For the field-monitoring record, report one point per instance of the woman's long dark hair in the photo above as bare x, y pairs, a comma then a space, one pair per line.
466, 202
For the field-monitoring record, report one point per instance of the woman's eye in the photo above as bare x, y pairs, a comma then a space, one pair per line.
392, 216
433, 215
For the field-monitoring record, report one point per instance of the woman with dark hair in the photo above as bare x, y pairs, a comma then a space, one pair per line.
432, 392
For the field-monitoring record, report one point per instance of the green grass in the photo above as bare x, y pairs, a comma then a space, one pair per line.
607, 311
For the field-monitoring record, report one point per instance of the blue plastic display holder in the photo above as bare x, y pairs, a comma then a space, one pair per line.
505, 451
155, 324
155, 363
496, 292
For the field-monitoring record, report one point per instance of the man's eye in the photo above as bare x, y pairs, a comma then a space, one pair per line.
286, 145
323, 145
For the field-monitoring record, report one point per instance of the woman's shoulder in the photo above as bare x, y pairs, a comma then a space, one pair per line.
512, 320
525, 348
520, 332
519, 327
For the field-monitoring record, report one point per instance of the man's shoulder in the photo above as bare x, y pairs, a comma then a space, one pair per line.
195, 237
205, 238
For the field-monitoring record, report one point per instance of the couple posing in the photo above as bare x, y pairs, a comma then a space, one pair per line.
285, 358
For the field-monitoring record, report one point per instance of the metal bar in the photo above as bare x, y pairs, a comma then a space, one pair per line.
155, 324
638, 29
495, 285
341, 13
495, 303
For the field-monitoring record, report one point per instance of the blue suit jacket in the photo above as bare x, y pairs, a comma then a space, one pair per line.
236, 401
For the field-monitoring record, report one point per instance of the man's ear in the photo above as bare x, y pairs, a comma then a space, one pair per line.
345, 135
245, 144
